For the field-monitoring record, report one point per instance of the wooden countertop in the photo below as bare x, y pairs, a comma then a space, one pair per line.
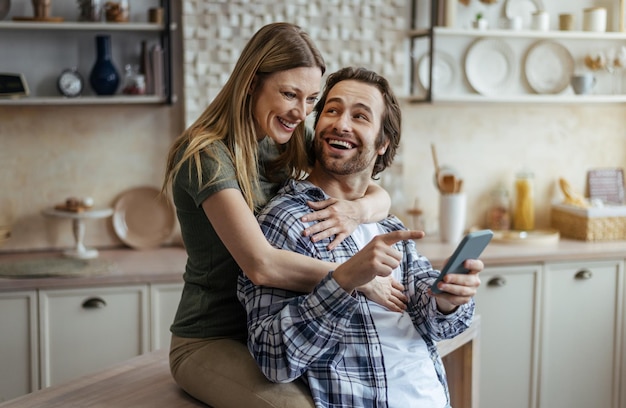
167, 264
145, 381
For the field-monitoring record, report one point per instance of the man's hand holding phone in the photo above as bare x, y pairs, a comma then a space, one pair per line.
458, 281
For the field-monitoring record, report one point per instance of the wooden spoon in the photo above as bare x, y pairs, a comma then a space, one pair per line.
447, 183
436, 162
434, 153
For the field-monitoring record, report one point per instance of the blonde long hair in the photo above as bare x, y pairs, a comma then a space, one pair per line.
275, 47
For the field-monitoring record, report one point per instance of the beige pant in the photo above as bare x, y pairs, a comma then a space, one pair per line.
223, 374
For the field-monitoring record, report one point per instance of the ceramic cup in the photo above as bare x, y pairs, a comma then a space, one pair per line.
540, 21
594, 19
452, 216
583, 84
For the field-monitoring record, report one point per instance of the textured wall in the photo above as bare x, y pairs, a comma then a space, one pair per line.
348, 32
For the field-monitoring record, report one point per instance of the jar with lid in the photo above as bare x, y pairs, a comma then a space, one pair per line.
524, 213
498, 215
134, 82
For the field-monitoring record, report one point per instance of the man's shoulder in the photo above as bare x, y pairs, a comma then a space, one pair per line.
292, 199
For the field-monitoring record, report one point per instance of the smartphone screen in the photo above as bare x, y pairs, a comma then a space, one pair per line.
471, 246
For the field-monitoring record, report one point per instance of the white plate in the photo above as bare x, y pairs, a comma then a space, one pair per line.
143, 218
524, 9
444, 71
490, 66
548, 67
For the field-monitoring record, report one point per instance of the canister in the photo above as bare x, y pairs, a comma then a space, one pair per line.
566, 22
524, 212
450, 13
594, 19
541, 20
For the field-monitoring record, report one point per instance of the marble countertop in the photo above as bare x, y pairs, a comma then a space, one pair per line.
166, 265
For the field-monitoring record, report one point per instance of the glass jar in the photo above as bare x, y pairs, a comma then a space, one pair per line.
117, 11
524, 214
498, 215
89, 10
134, 82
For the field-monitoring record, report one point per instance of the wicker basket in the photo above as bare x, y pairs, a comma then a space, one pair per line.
592, 224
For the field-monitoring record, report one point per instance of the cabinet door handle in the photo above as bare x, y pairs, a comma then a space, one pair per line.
94, 303
583, 274
496, 282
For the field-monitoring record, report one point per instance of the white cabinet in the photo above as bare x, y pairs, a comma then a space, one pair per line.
83, 330
50, 336
19, 362
164, 300
581, 334
551, 335
506, 302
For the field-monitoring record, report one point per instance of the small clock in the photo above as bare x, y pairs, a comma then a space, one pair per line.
70, 83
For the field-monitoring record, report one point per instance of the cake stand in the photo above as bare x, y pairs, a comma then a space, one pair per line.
78, 228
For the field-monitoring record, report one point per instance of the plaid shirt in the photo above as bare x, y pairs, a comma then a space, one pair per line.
328, 337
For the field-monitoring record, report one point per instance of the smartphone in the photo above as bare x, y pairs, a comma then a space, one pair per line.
471, 246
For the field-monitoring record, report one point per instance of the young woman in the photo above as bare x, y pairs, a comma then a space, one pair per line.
220, 170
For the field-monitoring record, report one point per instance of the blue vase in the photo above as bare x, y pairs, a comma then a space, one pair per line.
104, 78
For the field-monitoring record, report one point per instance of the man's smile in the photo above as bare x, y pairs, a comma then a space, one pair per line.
340, 144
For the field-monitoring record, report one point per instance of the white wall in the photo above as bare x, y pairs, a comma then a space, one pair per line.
489, 143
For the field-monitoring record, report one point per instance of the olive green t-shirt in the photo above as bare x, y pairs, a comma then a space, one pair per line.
209, 306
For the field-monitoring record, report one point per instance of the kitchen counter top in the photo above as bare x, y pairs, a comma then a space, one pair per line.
498, 254
128, 266
166, 265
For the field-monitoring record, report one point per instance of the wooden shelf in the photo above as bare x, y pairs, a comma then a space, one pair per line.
84, 100
81, 26
574, 35
542, 99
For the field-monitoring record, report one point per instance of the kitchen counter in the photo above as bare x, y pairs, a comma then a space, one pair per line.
166, 265
128, 266
498, 254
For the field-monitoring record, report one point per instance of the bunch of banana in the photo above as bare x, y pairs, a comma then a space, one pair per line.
572, 197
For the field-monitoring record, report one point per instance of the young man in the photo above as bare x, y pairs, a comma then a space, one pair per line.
350, 351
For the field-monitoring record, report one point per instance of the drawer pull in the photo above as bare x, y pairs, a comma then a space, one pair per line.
496, 282
94, 303
583, 274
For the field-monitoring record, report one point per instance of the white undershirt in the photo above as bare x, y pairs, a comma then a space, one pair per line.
411, 376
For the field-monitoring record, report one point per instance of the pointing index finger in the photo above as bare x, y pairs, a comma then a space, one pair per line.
391, 238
